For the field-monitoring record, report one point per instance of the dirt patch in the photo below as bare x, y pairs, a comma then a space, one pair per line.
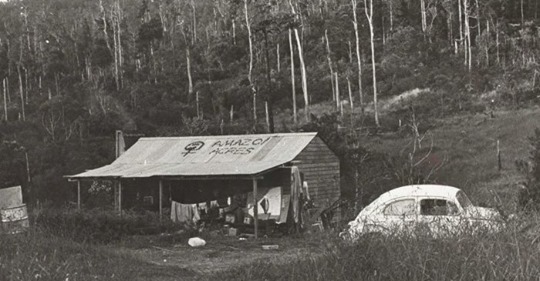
174, 261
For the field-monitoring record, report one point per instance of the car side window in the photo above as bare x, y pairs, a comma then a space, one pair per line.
438, 207
404, 207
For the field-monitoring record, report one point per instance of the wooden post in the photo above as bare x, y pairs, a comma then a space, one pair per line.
255, 215
115, 187
119, 143
120, 197
160, 199
78, 195
499, 156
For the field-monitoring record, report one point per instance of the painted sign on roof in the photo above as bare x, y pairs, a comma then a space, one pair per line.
204, 156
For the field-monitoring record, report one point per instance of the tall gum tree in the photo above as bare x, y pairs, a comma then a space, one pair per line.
250, 69
358, 57
368, 8
302, 64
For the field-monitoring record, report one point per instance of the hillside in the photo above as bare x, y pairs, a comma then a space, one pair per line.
73, 72
465, 148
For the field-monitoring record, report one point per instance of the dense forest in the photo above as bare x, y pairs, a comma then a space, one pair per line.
74, 71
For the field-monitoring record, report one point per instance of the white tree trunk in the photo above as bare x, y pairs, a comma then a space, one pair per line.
497, 42
329, 59
369, 15
21, 91
115, 49
478, 18
338, 98
460, 16
302, 67
522, 15
188, 66
358, 58
390, 4
291, 47
250, 77
119, 40
488, 35
5, 99
194, 22
278, 59
350, 93
423, 12
467, 29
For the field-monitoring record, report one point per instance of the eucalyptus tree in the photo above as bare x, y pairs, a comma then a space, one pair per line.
368, 8
301, 58
358, 56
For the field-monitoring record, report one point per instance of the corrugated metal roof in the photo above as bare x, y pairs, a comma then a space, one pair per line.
237, 155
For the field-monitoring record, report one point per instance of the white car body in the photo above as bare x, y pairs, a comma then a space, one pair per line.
434, 210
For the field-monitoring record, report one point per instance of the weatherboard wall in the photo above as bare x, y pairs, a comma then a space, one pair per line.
321, 170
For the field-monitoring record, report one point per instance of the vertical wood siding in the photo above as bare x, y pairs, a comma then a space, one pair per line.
320, 167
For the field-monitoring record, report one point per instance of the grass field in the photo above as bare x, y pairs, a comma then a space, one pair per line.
511, 255
466, 145
41, 255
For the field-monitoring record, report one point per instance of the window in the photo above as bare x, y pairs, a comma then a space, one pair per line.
437, 207
400, 208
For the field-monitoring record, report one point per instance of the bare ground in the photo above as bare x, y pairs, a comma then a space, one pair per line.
179, 261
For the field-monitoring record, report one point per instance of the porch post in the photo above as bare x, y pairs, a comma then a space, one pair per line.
160, 199
120, 197
78, 194
255, 207
115, 189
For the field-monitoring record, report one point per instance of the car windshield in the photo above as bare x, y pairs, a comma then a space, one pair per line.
463, 200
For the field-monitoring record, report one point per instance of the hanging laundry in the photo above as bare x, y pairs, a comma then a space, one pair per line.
268, 201
305, 190
265, 204
296, 189
185, 213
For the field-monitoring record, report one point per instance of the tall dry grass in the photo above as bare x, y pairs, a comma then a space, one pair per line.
67, 245
39, 255
512, 254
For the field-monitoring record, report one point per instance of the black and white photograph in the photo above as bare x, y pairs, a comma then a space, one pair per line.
264, 140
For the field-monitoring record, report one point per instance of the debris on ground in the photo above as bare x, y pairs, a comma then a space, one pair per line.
196, 242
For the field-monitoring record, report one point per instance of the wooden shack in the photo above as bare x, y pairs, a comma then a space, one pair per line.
215, 165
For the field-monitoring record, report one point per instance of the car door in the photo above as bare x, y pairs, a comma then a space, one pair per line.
395, 217
439, 217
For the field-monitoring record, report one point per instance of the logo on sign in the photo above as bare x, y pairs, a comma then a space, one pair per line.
192, 147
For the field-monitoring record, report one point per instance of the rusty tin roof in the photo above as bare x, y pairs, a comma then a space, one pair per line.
235, 155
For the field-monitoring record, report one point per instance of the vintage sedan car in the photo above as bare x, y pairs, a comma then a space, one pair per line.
434, 210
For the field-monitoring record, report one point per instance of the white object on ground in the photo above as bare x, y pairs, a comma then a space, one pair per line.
196, 242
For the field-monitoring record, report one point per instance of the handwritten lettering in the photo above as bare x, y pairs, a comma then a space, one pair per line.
260, 141
241, 142
232, 150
